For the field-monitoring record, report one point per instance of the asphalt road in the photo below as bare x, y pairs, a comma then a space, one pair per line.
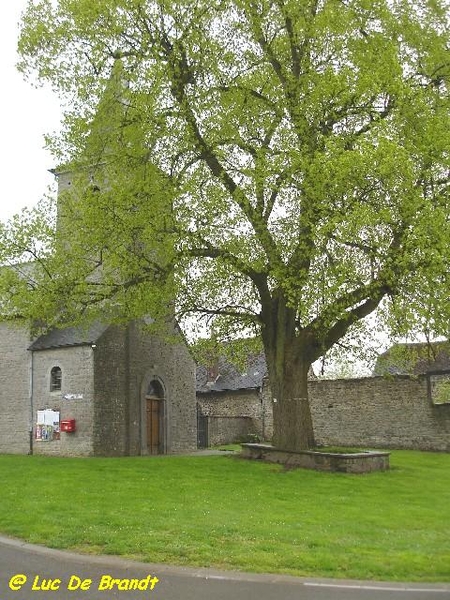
27, 572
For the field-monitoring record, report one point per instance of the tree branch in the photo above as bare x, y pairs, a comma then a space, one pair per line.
340, 328
210, 251
258, 278
227, 311
177, 71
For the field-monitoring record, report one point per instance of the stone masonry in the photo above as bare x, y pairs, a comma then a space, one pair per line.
395, 412
127, 360
234, 415
104, 383
15, 407
74, 401
372, 412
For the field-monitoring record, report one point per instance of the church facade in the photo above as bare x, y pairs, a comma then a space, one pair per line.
102, 391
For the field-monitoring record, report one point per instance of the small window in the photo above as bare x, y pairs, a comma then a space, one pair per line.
55, 379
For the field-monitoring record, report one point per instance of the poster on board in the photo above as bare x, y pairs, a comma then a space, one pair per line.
47, 425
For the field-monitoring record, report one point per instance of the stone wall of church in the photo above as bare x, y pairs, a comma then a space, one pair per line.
15, 406
126, 360
112, 400
170, 363
73, 401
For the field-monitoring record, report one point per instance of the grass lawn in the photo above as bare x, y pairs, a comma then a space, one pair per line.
229, 513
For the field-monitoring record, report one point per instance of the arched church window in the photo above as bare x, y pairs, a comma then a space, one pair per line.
55, 379
155, 389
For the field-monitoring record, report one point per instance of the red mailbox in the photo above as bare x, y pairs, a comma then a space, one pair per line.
68, 425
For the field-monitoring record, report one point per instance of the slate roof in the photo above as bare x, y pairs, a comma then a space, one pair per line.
69, 336
230, 378
414, 359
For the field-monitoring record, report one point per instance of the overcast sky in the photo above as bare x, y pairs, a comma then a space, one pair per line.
27, 114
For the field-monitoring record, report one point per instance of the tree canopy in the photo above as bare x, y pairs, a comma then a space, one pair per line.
279, 166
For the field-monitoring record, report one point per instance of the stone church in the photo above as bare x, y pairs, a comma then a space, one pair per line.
105, 390
102, 391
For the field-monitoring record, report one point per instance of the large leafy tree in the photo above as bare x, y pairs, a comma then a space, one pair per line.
276, 165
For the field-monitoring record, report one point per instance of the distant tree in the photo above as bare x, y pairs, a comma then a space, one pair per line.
414, 358
303, 149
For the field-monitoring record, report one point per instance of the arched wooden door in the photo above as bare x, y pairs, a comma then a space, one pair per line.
154, 404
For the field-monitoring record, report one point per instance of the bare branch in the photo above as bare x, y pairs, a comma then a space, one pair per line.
231, 310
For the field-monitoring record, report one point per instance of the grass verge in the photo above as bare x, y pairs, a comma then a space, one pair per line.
229, 513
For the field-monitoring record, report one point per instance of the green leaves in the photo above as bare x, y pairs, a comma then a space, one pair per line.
259, 149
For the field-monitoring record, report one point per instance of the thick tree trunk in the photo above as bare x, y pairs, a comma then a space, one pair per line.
289, 355
292, 421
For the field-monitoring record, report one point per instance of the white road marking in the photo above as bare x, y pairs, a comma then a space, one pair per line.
376, 587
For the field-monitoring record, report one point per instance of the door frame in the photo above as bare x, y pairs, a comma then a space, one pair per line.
161, 398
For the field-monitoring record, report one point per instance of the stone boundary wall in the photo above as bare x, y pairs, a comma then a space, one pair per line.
379, 412
229, 430
233, 415
371, 412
